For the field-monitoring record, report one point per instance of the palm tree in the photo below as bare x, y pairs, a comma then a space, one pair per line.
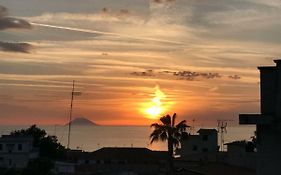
168, 131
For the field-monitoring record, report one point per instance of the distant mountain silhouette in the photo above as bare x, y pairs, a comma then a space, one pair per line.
81, 121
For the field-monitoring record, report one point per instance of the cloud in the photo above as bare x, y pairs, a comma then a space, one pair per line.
10, 22
13, 23
180, 75
15, 47
184, 75
163, 1
148, 73
188, 75
234, 77
3, 11
120, 12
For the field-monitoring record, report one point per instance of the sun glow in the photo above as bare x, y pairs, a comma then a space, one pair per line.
155, 108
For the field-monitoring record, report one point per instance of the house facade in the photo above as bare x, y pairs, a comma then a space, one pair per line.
16, 151
200, 147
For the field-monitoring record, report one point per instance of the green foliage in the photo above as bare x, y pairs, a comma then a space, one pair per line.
48, 145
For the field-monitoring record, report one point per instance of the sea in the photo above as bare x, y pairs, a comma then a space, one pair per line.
91, 138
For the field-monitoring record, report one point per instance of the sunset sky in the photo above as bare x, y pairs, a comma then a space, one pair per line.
130, 57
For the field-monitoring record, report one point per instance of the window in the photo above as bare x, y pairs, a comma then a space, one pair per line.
1, 147
205, 137
19, 147
194, 148
10, 147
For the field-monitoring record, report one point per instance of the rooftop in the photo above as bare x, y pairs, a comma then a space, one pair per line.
15, 138
125, 154
238, 143
206, 131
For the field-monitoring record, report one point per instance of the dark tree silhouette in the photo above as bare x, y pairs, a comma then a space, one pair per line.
48, 145
171, 132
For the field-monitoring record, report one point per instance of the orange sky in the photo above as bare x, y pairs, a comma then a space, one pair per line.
201, 55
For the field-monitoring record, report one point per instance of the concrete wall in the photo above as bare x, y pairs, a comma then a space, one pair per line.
14, 160
195, 148
16, 152
13, 146
240, 159
269, 153
268, 89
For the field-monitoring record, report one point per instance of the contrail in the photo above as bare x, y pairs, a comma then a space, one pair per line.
106, 33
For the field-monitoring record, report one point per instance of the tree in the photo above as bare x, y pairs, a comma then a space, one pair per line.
168, 131
48, 145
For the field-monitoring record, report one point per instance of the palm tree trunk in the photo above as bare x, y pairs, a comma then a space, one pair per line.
170, 157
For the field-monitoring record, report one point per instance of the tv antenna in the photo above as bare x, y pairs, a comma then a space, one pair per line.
73, 93
222, 129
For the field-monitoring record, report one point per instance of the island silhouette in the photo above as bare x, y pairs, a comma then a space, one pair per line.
82, 121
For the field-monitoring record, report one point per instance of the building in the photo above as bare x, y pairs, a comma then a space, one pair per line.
239, 154
109, 160
16, 151
64, 168
268, 122
200, 147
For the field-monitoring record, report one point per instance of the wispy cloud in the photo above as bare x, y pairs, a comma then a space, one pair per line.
162, 1
235, 77
203, 53
10, 22
189, 75
3, 11
15, 47
107, 33
13, 23
183, 75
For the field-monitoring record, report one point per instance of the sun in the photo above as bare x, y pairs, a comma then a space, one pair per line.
154, 111
154, 108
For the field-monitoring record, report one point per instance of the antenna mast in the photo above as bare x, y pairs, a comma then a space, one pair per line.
70, 115
222, 124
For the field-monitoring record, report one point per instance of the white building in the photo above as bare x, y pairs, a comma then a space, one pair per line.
269, 121
16, 151
201, 147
